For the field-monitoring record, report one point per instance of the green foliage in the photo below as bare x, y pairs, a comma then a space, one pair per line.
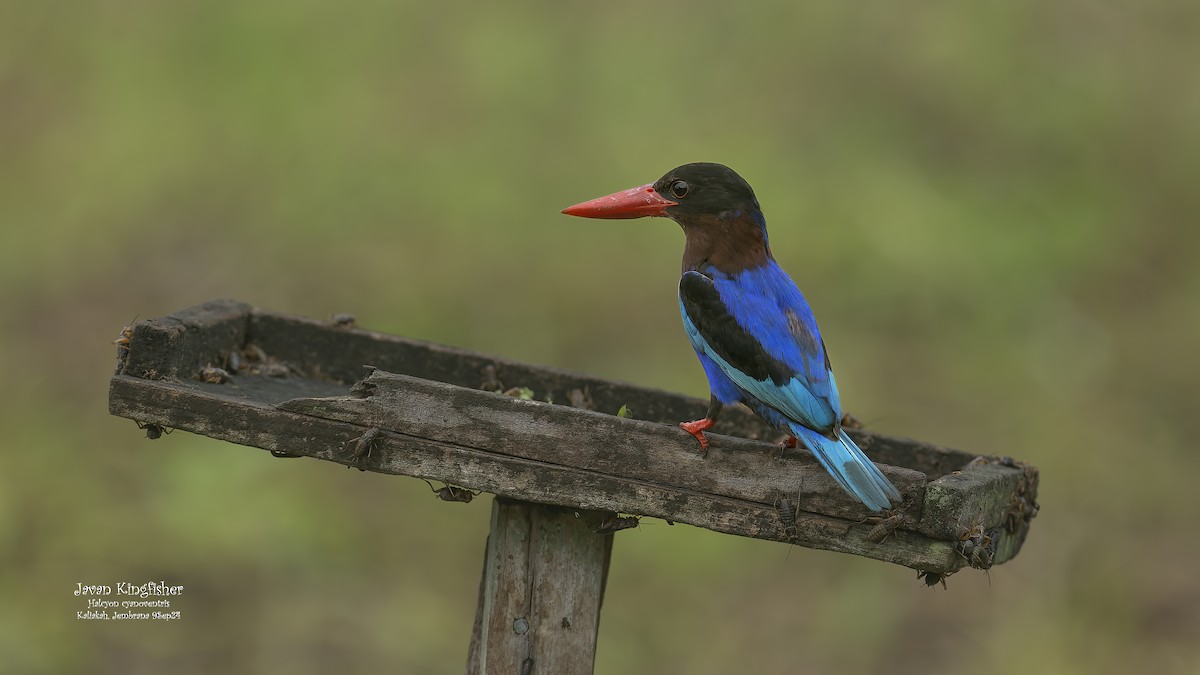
991, 209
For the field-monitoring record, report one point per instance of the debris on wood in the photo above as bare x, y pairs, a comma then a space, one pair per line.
884, 524
452, 493
427, 397
342, 320
522, 393
616, 523
213, 375
787, 516
978, 547
491, 380
582, 399
123, 339
932, 579
153, 431
363, 445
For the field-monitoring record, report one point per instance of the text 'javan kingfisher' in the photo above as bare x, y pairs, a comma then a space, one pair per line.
752, 329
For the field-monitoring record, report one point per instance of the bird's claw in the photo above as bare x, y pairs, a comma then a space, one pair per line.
696, 429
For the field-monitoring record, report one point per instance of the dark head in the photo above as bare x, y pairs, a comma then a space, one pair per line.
715, 207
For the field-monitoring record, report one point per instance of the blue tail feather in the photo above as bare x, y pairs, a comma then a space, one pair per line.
852, 470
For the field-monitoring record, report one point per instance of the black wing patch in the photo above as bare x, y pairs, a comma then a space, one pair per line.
721, 331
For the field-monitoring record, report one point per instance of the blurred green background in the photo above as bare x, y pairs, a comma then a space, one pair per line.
992, 208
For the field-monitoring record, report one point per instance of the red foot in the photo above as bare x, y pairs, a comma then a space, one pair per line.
697, 429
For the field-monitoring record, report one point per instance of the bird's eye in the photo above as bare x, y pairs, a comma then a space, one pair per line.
679, 189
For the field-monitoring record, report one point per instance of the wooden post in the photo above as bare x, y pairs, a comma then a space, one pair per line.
543, 584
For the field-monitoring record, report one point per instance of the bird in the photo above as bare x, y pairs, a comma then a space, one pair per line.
750, 326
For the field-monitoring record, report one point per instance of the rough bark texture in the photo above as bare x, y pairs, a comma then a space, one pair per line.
289, 391
542, 590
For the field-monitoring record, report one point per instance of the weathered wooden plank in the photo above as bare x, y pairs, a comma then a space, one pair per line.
443, 427
543, 587
180, 345
658, 454
645, 451
338, 353
205, 409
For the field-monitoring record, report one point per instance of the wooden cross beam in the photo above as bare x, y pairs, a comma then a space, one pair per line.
552, 449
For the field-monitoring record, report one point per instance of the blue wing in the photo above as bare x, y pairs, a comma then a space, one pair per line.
756, 329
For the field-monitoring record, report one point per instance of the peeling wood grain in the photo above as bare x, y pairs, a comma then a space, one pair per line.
543, 587
437, 425
180, 345
634, 449
205, 409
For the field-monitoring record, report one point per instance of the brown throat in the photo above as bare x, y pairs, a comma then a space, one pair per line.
729, 244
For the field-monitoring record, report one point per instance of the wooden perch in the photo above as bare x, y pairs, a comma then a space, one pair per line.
296, 386
562, 472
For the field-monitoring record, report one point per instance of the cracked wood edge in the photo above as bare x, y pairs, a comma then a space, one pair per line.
202, 409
